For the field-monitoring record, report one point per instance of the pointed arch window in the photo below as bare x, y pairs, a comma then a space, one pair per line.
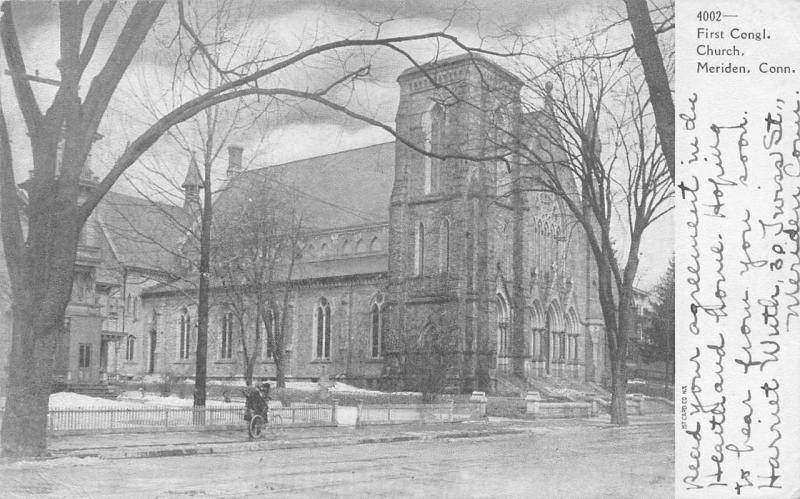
377, 327
184, 334
322, 330
130, 345
434, 124
503, 326
226, 345
444, 246
270, 320
419, 250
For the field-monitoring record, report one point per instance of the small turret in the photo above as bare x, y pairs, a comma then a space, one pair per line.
192, 185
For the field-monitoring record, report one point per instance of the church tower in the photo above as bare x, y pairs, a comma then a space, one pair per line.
442, 282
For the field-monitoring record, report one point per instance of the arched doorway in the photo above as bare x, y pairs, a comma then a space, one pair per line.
554, 338
503, 323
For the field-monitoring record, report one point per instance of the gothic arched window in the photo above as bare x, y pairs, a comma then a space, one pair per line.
184, 334
376, 326
434, 125
129, 347
444, 246
271, 330
226, 347
503, 326
322, 330
419, 250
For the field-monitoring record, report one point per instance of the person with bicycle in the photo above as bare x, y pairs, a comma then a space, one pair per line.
257, 409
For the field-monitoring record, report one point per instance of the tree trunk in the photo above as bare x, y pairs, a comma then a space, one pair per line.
619, 391
249, 367
24, 432
201, 358
646, 46
280, 372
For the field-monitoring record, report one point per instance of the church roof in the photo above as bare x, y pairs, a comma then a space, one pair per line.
139, 232
336, 190
338, 268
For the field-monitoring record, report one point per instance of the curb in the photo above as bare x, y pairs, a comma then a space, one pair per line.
236, 447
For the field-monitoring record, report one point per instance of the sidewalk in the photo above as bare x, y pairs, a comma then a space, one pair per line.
142, 445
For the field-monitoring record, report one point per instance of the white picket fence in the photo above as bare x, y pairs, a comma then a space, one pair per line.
417, 413
76, 421
156, 418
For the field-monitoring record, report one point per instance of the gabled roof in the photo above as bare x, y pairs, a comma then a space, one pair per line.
139, 232
335, 190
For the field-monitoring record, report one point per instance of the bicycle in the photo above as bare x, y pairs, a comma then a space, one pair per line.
257, 414
259, 426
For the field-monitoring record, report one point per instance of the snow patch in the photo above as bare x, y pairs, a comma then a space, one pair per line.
128, 400
339, 387
69, 400
303, 386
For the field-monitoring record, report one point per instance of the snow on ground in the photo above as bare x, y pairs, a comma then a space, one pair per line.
339, 387
154, 399
68, 400
345, 388
303, 386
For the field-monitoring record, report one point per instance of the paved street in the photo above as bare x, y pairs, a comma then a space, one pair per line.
565, 461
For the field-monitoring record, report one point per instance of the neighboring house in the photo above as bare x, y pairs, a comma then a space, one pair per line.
127, 246
399, 248
123, 248
635, 359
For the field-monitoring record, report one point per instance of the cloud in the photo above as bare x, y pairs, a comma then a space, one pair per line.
286, 132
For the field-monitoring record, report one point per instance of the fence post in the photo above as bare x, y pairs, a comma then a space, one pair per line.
532, 404
452, 406
639, 398
334, 417
480, 399
166, 419
112, 418
51, 416
358, 413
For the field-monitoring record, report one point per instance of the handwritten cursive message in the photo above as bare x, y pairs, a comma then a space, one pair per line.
737, 250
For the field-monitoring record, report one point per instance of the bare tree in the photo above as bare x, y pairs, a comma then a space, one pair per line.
593, 146
645, 43
41, 254
205, 47
254, 251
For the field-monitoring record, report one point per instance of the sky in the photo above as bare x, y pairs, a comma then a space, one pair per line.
280, 132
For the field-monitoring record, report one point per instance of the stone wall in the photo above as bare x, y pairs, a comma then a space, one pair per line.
350, 347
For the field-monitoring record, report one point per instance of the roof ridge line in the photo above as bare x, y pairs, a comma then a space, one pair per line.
320, 156
110, 241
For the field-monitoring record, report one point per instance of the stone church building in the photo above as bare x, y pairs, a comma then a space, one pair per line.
402, 252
